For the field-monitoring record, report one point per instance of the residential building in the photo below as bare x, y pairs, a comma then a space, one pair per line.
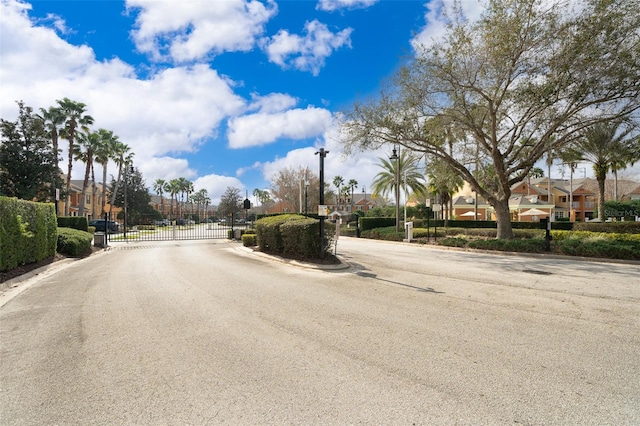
536, 199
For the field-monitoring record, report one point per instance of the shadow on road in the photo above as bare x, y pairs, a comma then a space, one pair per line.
422, 289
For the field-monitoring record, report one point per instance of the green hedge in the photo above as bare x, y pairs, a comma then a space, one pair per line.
248, 240
27, 232
75, 222
367, 223
292, 234
301, 237
626, 227
73, 242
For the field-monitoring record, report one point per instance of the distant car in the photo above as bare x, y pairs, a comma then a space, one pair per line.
163, 222
99, 224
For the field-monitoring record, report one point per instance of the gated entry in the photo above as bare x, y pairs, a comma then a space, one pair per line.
147, 229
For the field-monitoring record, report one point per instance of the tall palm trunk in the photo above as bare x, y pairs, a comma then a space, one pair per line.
85, 185
67, 204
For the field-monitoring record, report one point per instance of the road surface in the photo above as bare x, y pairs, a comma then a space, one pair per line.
206, 332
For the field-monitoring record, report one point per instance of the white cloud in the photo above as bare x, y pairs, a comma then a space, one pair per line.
274, 102
331, 5
264, 127
362, 166
198, 28
216, 185
168, 112
436, 18
308, 52
166, 168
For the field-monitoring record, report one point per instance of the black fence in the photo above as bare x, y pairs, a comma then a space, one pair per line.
191, 228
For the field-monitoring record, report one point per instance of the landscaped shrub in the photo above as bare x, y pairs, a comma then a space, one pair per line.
293, 235
27, 232
388, 233
268, 231
453, 242
75, 222
529, 245
301, 238
248, 240
73, 242
604, 248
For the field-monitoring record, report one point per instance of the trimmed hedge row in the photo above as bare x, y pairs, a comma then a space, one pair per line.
73, 242
75, 222
625, 227
27, 232
292, 234
367, 223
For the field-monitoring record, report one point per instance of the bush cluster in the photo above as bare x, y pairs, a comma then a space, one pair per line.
27, 232
292, 234
73, 242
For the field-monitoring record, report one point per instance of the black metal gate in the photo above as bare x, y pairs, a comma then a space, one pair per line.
147, 229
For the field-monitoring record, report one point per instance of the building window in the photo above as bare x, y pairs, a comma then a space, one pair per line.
563, 199
87, 199
559, 215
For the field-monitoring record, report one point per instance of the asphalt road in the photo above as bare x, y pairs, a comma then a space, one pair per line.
205, 332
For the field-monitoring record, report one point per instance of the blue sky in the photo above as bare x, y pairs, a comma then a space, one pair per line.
222, 92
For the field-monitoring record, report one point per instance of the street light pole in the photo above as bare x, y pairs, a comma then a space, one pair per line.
322, 153
396, 157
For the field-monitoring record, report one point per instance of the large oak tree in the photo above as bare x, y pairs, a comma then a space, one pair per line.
493, 96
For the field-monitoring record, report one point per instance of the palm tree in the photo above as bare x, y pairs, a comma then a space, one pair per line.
123, 156
53, 120
405, 165
158, 186
83, 150
607, 145
184, 187
535, 173
103, 154
74, 118
337, 182
445, 182
571, 158
173, 188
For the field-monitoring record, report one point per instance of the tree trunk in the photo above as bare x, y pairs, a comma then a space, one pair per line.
104, 188
601, 177
503, 217
115, 190
85, 184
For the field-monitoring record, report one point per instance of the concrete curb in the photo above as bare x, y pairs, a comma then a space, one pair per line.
13, 287
307, 265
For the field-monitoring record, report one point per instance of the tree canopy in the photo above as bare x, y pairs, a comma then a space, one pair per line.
493, 96
27, 160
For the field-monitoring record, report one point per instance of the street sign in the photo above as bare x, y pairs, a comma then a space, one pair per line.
323, 210
437, 207
428, 202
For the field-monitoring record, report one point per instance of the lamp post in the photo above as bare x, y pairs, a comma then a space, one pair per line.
128, 170
395, 156
306, 196
322, 154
